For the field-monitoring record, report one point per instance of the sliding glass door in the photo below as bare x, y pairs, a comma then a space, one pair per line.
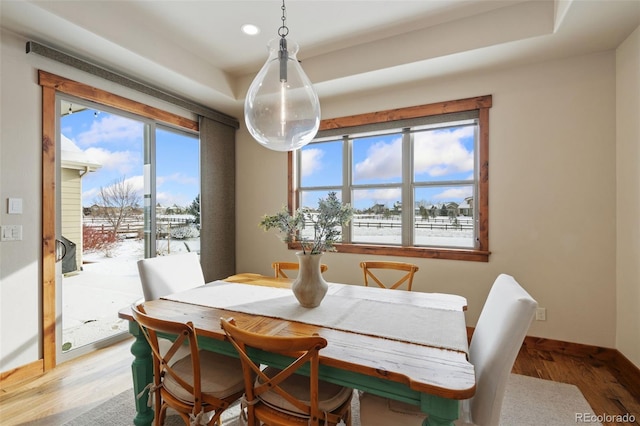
176, 198
128, 189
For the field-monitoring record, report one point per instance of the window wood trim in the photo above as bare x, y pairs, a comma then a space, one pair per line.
480, 103
89, 93
51, 84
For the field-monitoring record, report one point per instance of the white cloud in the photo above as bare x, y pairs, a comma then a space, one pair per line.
137, 183
168, 199
180, 178
384, 160
170, 196
454, 194
111, 128
122, 161
441, 153
165, 199
311, 161
90, 194
381, 196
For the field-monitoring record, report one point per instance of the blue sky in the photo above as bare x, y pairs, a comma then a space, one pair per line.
117, 144
440, 155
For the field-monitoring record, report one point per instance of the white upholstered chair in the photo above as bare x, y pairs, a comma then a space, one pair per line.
498, 336
164, 275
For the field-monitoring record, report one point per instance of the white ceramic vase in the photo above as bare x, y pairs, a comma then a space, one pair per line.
309, 287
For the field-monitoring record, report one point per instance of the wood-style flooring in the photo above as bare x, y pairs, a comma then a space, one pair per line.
602, 385
79, 385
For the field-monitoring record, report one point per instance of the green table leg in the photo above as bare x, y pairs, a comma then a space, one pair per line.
442, 411
142, 369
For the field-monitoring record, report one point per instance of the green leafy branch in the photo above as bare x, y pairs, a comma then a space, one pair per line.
327, 223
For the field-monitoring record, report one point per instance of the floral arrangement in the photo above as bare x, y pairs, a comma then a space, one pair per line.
327, 222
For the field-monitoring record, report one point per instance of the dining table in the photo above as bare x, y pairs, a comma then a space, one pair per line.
407, 346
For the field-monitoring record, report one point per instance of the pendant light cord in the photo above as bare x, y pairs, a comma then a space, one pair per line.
283, 31
283, 54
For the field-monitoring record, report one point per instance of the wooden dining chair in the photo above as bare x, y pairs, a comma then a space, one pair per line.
369, 267
283, 397
199, 386
495, 343
280, 268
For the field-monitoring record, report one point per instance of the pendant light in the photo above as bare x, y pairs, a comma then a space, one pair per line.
282, 110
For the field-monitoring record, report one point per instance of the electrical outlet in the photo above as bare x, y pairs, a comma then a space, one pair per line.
541, 314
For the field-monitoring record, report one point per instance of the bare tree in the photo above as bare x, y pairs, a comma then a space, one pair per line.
118, 202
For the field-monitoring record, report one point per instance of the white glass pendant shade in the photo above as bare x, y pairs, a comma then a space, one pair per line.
282, 115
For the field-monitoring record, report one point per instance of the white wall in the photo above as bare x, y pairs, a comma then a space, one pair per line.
20, 177
552, 193
628, 196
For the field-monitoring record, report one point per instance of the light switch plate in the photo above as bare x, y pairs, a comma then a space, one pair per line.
14, 206
11, 233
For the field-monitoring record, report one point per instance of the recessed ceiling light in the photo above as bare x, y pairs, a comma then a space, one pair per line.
250, 29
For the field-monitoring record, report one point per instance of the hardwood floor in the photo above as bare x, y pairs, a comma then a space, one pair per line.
70, 389
79, 385
603, 387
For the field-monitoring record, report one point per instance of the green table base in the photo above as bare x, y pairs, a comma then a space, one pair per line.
142, 370
442, 411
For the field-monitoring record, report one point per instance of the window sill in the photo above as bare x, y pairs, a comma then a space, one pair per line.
420, 252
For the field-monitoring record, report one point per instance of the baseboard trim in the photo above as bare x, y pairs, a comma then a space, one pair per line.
569, 348
20, 374
627, 373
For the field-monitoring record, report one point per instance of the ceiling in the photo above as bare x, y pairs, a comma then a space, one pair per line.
195, 49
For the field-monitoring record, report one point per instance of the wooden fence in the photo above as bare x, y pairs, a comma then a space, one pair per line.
446, 225
135, 228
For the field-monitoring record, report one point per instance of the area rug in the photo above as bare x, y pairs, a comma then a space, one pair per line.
528, 401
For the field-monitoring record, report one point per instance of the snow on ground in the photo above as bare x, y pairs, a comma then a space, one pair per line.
423, 237
92, 298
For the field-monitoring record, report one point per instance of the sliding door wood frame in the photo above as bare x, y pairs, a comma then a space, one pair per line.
51, 84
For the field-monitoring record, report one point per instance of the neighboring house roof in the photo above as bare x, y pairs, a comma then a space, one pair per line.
73, 157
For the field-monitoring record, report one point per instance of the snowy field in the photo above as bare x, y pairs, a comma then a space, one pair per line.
460, 238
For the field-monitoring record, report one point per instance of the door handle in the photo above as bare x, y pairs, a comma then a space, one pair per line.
61, 250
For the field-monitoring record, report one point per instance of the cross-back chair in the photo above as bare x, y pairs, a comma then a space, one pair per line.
495, 343
199, 386
369, 267
280, 267
282, 396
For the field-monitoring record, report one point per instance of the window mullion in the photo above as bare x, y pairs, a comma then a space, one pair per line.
149, 190
476, 188
407, 188
347, 182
